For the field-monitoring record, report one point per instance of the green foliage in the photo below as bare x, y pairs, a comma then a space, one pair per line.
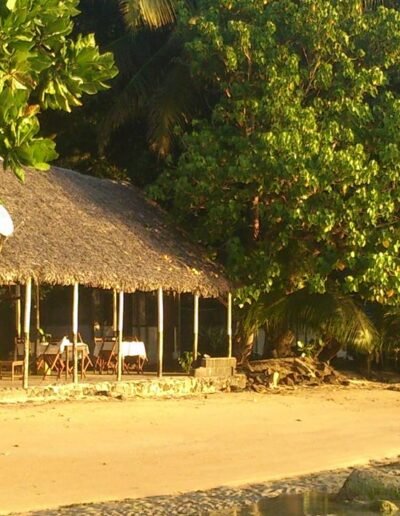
328, 315
213, 341
309, 349
126, 130
186, 360
155, 85
152, 13
42, 67
43, 336
293, 178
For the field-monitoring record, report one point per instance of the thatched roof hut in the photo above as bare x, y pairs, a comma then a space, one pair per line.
100, 233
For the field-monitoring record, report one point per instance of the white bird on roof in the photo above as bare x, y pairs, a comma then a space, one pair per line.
6, 223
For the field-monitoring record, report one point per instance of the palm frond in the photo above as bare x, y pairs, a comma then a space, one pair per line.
331, 314
390, 326
171, 107
152, 13
371, 4
124, 107
137, 87
125, 50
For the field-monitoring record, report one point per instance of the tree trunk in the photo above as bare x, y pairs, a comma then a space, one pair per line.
284, 343
330, 349
245, 347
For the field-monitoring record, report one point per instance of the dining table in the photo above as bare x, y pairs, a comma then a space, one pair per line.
57, 356
83, 354
134, 355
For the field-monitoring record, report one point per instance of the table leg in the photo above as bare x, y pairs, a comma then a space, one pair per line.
60, 365
82, 364
67, 362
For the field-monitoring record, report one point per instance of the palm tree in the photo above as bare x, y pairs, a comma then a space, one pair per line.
337, 318
387, 321
154, 82
151, 13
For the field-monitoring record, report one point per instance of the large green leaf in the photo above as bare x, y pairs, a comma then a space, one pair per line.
40, 60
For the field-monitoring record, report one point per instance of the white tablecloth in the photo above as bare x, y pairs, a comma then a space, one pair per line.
128, 348
81, 346
53, 348
133, 349
60, 347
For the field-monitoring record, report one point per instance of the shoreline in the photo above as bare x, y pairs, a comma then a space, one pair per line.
223, 498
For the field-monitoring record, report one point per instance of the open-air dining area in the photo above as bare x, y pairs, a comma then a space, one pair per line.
97, 282
55, 358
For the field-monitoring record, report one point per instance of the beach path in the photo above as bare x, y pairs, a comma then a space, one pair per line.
97, 450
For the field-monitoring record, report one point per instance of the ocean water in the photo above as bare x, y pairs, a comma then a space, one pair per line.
306, 504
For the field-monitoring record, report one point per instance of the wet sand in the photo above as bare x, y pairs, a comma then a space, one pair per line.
98, 450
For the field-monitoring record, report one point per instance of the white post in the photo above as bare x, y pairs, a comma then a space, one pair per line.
115, 313
18, 310
75, 305
37, 306
229, 325
179, 332
27, 324
120, 334
196, 327
17, 319
160, 332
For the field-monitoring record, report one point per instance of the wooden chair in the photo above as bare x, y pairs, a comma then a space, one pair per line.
19, 352
52, 359
136, 363
83, 357
98, 345
11, 366
86, 361
19, 348
107, 358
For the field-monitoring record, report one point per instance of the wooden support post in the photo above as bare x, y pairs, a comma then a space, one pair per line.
196, 327
37, 312
179, 331
18, 311
115, 312
17, 318
27, 325
67, 363
160, 332
75, 305
229, 325
120, 334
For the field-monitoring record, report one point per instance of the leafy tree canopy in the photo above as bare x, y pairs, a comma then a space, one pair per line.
42, 67
294, 177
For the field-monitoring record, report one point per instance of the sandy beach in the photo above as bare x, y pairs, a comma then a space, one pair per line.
97, 450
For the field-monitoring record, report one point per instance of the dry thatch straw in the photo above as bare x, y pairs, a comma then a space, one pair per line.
75, 228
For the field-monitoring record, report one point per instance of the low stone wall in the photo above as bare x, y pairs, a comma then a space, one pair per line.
216, 366
143, 388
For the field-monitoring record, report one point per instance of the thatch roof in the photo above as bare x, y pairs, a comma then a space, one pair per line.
101, 233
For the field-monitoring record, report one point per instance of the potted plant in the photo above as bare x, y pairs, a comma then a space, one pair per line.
186, 360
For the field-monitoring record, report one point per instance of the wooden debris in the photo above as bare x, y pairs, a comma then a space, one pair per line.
275, 372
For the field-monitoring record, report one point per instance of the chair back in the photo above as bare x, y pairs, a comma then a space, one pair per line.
19, 348
98, 345
109, 347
